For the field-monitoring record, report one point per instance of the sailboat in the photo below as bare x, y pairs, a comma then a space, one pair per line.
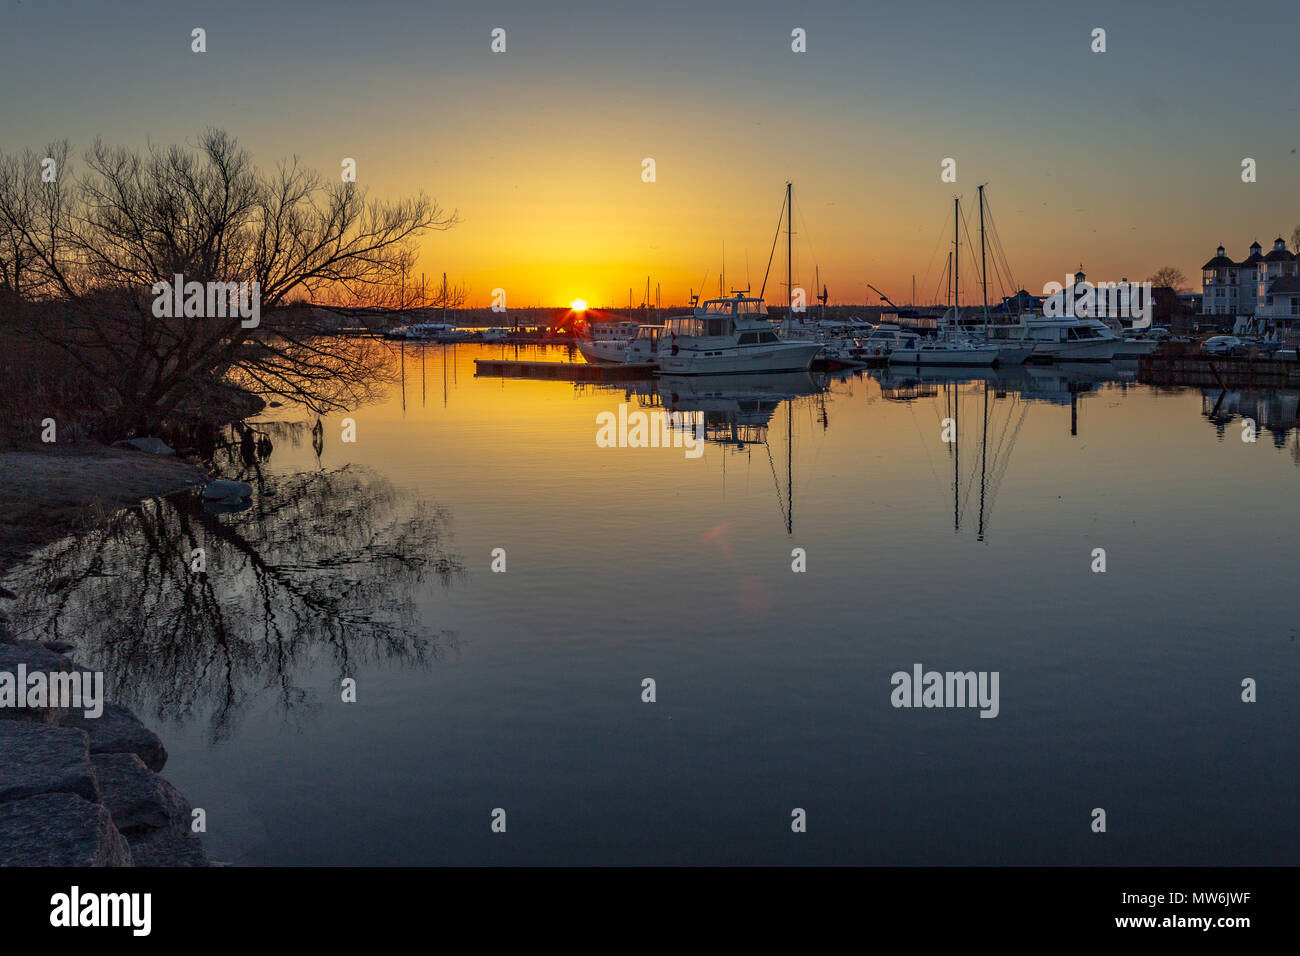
1052, 338
950, 348
1010, 352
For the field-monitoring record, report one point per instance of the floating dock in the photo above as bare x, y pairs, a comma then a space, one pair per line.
564, 371
1206, 371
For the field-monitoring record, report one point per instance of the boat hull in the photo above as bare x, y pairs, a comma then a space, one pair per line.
739, 360
945, 358
1013, 354
603, 351
1102, 351
1129, 349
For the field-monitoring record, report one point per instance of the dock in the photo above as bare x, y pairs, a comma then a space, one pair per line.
1207, 371
564, 371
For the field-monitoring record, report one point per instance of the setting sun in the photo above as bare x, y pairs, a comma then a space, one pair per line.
578, 305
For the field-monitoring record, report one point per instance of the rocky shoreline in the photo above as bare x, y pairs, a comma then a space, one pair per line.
84, 791
76, 790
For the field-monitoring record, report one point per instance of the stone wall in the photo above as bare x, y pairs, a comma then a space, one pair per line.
78, 791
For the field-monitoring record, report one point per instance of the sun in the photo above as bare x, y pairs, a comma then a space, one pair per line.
578, 305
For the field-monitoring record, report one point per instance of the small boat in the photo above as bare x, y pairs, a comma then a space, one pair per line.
946, 352
884, 338
441, 332
641, 350
603, 343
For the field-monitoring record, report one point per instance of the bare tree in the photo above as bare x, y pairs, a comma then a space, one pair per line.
1168, 276
92, 249
330, 569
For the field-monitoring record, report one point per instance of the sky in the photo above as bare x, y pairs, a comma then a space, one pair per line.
1122, 162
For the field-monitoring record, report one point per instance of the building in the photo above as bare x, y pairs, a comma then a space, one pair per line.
1277, 284
1261, 286
1022, 302
1221, 285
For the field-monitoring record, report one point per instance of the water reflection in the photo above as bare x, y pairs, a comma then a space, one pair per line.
986, 409
737, 413
325, 567
1276, 412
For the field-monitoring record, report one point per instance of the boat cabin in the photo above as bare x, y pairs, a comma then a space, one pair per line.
719, 318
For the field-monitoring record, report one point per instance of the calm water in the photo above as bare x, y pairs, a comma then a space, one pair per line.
522, 690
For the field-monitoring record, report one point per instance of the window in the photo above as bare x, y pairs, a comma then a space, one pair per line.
767, 336
1295, 305
749, 338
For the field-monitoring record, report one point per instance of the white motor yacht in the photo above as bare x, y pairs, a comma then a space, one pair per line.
728, 337
1060, 338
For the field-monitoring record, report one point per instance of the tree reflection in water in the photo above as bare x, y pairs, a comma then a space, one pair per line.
325, 567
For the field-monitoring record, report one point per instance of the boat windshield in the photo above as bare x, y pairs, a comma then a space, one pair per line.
700, 326
736, 306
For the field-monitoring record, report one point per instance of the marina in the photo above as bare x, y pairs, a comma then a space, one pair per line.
648, 435
536, 668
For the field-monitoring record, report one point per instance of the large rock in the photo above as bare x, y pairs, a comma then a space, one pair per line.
154, 446
133, 793
118, 731
152, 815
60, 829
37, 758
36, 658
167, 847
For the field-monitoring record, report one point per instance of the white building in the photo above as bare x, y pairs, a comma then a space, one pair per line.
1221, 285
1277, 285
1262, 286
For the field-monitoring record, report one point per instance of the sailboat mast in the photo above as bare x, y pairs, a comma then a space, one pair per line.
789, 247
984, 270
956, 258
817, 287
789, 467
984, 452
